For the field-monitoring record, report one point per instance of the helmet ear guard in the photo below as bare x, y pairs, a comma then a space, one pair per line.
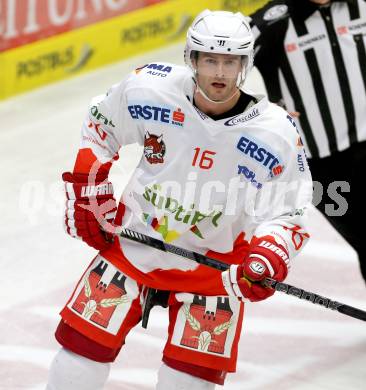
221, 32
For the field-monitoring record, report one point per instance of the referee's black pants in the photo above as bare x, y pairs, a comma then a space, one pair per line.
348, 166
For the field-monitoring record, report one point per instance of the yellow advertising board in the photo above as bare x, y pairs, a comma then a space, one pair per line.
86, 48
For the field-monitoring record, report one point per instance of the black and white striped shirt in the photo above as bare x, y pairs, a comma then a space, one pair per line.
313, 59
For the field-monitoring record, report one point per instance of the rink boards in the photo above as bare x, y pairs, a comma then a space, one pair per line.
81, 50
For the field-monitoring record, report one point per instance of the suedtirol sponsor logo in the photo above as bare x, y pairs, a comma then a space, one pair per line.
260, 154
242, 118
155, 69
157, 114
189, 216
250, 175
100, 117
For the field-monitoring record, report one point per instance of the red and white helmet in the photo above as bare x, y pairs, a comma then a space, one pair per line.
221, 32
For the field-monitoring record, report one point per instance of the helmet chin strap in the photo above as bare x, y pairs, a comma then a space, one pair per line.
201, 91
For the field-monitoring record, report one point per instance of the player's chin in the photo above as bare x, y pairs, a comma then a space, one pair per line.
216, 97
219, 93
221, 96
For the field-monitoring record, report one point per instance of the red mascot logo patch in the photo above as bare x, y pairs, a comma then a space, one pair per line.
154, 148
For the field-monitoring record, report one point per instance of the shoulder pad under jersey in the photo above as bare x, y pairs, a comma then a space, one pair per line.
284, 124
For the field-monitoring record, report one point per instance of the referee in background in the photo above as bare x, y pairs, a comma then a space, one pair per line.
312, 57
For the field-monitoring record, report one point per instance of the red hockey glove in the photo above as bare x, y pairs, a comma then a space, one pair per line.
89, 207
266, 259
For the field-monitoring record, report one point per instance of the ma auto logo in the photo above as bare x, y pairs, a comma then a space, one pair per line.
155, 113
155, 69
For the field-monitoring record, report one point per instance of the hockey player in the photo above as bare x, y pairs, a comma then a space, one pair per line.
223, 173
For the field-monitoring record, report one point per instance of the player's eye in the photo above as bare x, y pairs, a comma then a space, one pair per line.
230, 62
210, 61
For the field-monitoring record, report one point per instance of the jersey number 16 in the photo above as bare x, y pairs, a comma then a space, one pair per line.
203, 157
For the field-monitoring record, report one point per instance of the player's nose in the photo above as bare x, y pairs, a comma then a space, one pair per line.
220, 70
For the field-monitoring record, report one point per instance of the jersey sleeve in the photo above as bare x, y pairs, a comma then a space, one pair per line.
282, 204
105, 130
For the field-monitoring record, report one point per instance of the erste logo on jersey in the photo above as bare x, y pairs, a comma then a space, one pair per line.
261, 154
152, 112
154, 148
155, 69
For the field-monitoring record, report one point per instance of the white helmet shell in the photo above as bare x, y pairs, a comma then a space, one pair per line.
220, 32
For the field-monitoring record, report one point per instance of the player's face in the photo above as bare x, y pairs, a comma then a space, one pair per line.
217, 74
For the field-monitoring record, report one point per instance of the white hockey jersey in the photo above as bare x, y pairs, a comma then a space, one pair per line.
202, 184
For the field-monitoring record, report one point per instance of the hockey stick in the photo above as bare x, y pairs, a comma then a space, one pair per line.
213, 263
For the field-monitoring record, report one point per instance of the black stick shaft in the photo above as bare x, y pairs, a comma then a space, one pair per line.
219, 265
